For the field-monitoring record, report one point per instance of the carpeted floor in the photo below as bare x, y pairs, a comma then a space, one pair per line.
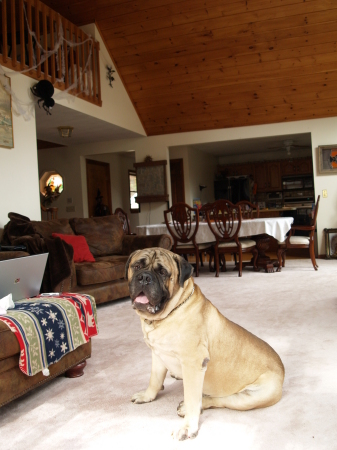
295, 311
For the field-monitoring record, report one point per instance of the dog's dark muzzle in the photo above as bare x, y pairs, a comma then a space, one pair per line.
147, 292
145, 278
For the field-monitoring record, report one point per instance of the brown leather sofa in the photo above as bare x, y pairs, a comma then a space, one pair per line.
110, 246
103, 279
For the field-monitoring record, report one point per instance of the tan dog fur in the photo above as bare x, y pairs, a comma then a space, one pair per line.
221, 364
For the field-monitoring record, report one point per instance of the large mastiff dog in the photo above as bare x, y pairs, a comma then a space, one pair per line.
221, 364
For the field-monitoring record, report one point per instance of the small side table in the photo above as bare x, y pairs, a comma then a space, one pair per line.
330, 243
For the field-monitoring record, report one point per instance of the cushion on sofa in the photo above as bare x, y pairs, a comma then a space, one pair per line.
103, 234
80, 246
101, 271
47, 227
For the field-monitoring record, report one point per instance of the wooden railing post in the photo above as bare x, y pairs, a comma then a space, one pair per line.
45, 40
13, 32
98, 75
4, 31
65, 51
37, 33
30, 39
84, 87
22, 35
52, 44
59, 54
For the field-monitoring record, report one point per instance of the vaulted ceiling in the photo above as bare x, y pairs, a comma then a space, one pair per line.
205, 64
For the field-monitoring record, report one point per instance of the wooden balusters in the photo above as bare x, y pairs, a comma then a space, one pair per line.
28, 34
4, 31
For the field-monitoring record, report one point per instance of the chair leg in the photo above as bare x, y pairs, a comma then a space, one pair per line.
216, 261
281, 256
240, 262
312, 255
255, 255
211, 268
222, 260
197, 263
201, 261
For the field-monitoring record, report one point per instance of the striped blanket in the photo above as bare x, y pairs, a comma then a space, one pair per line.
49, 326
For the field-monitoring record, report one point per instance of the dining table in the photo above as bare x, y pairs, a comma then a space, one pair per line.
261, 229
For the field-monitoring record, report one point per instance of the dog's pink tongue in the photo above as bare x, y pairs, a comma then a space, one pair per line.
142, 299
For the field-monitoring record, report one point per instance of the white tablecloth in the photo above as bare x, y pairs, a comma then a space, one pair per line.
276, 227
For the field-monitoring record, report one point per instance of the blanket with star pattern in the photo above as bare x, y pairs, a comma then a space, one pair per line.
49, 326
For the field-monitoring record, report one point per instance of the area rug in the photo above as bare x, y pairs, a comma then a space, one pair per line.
295, 311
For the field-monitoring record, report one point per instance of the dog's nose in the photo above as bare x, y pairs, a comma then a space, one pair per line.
144, 278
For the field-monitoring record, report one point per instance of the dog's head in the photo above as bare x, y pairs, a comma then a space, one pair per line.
155, 275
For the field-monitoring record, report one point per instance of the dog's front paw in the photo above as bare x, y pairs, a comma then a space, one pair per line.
181, 409
185, 432
142, 397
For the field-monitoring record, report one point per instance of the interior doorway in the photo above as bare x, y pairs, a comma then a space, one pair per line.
177, 180
98, 188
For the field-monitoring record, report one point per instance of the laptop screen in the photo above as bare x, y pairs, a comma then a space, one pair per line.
22, 277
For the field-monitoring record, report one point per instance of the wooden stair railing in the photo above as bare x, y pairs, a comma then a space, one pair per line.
76, 67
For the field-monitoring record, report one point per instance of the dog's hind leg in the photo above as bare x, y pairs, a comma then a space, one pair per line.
265, 391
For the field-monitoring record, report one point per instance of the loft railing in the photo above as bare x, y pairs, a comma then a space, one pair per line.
37, 41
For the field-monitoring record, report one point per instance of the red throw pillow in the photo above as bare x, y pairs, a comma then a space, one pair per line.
82, 252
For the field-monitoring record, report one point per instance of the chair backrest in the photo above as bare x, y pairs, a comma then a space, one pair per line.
314, 219
123, 217
224, 219
248, 209
179, 222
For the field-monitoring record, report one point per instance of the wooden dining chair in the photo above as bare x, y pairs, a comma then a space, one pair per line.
179, 222
297, 241
224, 219
123, 217
248, 209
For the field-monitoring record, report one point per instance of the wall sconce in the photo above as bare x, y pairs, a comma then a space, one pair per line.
65, 132
201, 187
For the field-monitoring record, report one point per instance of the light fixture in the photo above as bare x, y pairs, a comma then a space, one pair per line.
202, 186
65, 132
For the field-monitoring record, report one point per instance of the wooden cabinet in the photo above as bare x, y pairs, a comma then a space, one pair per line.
297, 167
268, 176
234, 170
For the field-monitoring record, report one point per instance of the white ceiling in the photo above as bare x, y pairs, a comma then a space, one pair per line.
271, 144
86, 128
89, 129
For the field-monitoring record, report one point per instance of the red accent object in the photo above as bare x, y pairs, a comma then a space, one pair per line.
82, 252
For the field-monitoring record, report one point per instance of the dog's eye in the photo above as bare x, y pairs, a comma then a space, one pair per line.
136, 266
163, 272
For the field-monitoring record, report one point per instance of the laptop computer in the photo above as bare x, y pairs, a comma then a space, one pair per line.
22, 277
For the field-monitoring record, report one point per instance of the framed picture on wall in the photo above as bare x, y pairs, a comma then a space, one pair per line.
151, 181
330, 243
327, 156
6, 118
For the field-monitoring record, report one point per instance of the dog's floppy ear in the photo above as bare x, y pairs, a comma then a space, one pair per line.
128, 263
185, 269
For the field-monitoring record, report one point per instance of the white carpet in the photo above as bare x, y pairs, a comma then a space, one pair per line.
295, 311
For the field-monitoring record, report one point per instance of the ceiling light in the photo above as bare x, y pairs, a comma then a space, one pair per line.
65, 132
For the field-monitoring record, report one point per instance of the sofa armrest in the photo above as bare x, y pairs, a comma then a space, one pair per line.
12, 254
132, 243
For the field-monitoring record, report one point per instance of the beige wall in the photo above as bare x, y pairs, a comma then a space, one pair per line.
323, 132
19, 181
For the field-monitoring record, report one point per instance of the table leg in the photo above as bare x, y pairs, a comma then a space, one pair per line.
264, 261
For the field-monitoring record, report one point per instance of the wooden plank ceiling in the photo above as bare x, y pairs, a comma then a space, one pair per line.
205, 64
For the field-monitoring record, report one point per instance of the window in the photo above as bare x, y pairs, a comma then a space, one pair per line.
134, 206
